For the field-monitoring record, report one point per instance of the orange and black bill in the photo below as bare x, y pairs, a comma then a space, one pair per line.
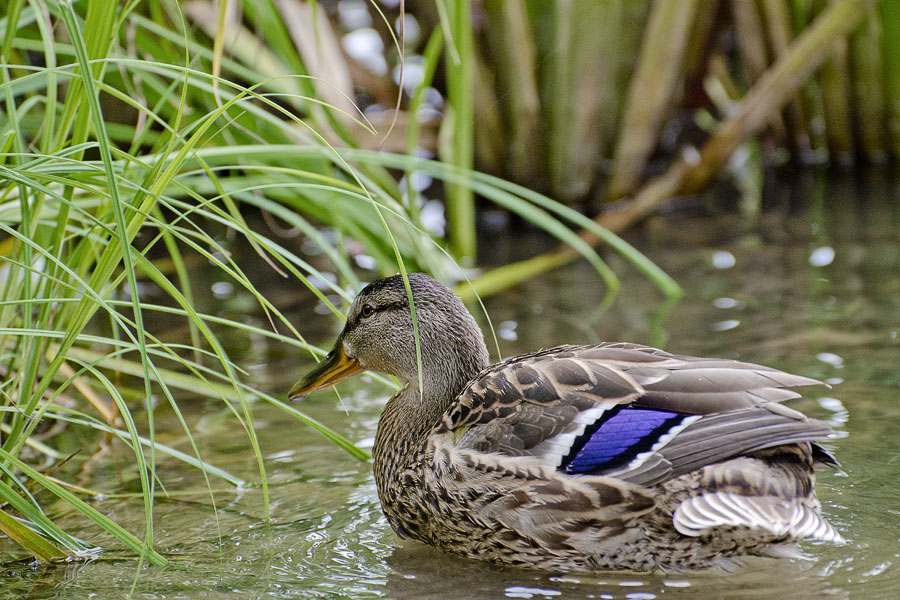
335, 367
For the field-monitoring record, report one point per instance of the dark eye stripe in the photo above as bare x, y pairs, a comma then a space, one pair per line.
376, 309
391, 306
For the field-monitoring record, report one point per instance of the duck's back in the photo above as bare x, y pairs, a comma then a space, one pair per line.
617, 455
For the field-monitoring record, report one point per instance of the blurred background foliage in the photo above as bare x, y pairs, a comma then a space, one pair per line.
610, 90
342, 140
587, 101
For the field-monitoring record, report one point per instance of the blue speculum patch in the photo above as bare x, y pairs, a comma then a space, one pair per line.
616, 439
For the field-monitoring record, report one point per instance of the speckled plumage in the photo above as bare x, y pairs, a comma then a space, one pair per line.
614, 455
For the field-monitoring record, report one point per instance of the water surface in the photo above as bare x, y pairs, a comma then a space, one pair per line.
811, 286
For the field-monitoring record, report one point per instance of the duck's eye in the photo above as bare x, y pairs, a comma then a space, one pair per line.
366, 311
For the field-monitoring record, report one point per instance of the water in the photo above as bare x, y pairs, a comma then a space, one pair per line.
812, 287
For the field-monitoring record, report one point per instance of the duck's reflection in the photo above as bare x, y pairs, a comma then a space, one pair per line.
421, 572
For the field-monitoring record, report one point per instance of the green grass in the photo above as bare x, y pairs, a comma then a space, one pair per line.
130, 145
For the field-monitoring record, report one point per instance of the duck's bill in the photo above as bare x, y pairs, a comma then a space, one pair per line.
336, 366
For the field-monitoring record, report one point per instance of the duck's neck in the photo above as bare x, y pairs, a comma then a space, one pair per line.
402, 433
446, 365
411, 414
405, 422
413, 411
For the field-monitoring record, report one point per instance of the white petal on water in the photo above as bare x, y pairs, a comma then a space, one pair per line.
723, 259
832, 359
367, 48
520, 591
364, 261
432, 217
726, 325
821, 257
222, 289
354, 14
507, 331
725, 303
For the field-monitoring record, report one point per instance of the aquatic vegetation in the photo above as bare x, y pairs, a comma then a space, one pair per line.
135, 150
141, 142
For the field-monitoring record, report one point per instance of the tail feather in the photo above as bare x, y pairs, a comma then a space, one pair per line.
783, 518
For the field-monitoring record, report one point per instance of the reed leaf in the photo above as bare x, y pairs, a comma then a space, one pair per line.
868, 87
779, 28
834, 78
458, 133
513, 55
651, 92
889, 13
23, 535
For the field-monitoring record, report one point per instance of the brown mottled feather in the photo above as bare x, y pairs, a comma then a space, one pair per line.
472, 462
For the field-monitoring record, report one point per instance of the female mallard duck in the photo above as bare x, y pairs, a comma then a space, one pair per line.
614, 455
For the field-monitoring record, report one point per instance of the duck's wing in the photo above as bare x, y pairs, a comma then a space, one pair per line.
636, 413
541, 510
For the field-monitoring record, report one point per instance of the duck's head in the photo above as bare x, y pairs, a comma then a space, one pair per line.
379, 336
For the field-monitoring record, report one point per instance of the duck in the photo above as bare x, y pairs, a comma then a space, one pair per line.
577, 457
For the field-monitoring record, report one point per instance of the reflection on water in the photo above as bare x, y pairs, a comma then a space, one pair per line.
811, 286
430, 574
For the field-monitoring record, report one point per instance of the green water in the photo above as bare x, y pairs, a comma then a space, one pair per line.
811, 286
